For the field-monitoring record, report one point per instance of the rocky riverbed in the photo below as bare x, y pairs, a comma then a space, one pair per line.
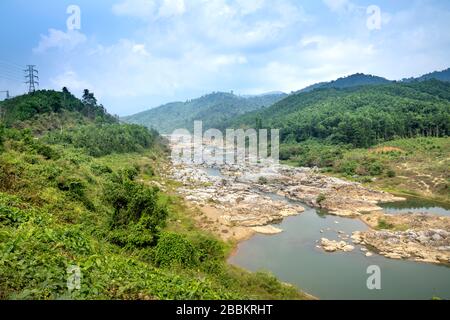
236, 201
417, 236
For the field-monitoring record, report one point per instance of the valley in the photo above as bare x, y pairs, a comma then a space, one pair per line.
271, 212
355, 187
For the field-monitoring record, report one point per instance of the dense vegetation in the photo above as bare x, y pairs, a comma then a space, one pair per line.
66, 200
354, 80
52, 109
443, 75
414, 166
101, 140
361, 116
213, 109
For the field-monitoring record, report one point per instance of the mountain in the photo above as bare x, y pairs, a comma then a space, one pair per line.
213, 109
443, 75
359, 116
358, 79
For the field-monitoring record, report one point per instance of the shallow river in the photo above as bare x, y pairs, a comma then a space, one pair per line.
293, 257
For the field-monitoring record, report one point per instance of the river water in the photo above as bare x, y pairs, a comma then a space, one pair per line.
293, 257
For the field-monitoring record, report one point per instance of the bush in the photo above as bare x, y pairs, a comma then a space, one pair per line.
384, 225
175, 250
99, 169
209, 249
320, 199
76, 189
138, 216
391, 173
262, 180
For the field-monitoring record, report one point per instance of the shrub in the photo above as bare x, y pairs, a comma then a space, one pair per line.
262, 180
384, 225
138, 216
391, 173
209, 249
99, 169
320, 199
175, 250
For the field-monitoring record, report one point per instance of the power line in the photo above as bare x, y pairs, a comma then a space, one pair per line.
10, 69
10, 73
31, 75
10, 78
12, 64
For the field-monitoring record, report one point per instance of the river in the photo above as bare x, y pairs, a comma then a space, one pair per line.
293, 257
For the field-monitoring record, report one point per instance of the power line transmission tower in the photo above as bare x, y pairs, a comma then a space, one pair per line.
1, 106
7, 94
31, 75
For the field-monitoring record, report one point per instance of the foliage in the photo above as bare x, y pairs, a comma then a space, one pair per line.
320, 199
354, 80
384, 225
102, 140
61, 207
33, 105
138, 217
213, 109
359, 116
175, 250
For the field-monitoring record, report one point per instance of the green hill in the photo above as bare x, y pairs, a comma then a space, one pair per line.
46, 110
355, 80
443, 75
213, 109
359, 116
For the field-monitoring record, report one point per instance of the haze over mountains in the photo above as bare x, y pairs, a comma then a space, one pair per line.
213, 109
219, 109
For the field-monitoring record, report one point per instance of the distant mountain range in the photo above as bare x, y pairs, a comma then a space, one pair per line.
438, 75
213, 109
219, 108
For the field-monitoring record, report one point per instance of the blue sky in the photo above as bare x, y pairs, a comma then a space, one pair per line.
138, 54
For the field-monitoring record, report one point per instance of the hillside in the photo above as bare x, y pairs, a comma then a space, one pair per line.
360, 116
213, 109
46, 110
443, 75
355, 80
94, 196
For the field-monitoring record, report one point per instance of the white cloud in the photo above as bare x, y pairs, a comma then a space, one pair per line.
249, 7
60, 40
71, 80
247, 46
171, 8
140, 49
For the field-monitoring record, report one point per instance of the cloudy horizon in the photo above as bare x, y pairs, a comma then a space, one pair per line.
139, 54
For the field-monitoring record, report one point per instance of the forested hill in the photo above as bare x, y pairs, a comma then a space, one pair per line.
45, 110
437, 75
358, 79
213, 109
360, 116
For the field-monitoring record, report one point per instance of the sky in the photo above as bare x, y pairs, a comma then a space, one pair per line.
138, 54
